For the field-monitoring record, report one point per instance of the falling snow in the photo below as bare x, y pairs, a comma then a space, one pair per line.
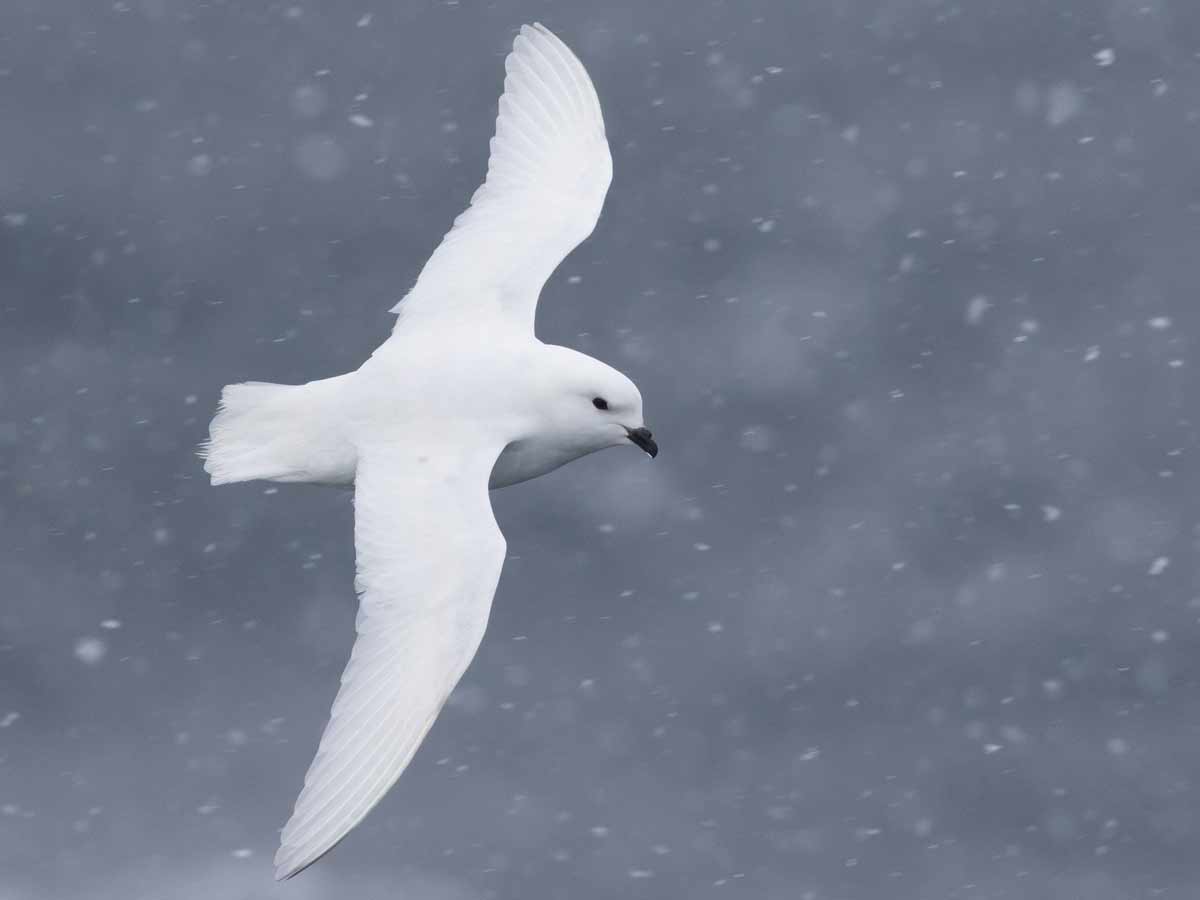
90, 650
905, 608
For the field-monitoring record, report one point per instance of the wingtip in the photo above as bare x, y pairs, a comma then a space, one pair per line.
291, 860
287, 866
283, 869
536, 29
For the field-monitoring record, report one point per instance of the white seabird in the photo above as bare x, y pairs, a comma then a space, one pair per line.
460, 398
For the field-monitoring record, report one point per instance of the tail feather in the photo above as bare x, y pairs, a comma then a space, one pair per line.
278, 432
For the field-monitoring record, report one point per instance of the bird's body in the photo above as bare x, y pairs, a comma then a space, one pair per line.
461, 398
495, 378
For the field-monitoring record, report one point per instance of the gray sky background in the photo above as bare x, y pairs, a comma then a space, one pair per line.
907, 608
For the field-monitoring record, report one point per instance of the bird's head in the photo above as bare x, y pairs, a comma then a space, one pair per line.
592, 405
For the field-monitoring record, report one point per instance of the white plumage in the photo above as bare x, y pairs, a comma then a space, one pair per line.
460, 397
421, 616
548, 173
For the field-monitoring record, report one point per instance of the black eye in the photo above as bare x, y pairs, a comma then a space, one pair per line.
599, 403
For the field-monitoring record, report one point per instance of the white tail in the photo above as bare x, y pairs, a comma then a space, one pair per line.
279, 432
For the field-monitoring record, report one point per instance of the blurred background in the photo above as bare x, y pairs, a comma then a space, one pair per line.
907, 608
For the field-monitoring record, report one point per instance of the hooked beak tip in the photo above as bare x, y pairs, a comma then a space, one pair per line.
643, 438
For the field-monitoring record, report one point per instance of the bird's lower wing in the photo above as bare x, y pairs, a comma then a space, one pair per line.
429, 556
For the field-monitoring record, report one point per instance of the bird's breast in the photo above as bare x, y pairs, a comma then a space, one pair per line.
530, 457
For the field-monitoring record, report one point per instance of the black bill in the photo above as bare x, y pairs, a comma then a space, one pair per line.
644, 439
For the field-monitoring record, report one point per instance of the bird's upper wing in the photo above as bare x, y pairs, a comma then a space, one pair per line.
548, 173
429, 555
